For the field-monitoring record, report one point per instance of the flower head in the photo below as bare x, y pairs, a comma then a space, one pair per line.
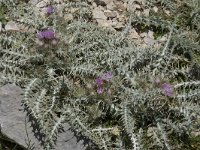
107, 76
46, 34
168, 89
100, 90
99, 81
50, 10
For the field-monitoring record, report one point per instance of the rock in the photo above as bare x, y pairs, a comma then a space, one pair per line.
146, 12
12, 117
150, 131
12, 121
155, 9
137, 6
125, 5
163, 39
11, 26
101, 8
134, 34
144, 34
150, 34
122, 18
167, 12
149, 41
119, 25
98, 14
105, 23
68, 17
41, 4
94, 5
100, 2
33, 2
111, 6
120, 6
110, 14
157, 46
59, 1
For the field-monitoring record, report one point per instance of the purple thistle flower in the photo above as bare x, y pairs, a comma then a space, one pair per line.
107, 76
50, 10
99, 81
100, 90
40, 35
168, 89
46, 34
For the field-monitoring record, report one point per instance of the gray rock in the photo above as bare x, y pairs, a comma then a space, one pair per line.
149, 41
12, 121
150, 34
110, 14
11, 26
98, 14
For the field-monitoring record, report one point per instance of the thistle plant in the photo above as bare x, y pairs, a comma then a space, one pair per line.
109, 89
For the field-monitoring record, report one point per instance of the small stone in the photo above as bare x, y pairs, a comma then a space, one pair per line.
119, 25
122, 18
34, 2
94, 5
111, 6
144, 34
100, 2
155, 9
149, 41
157, 46
137, 6
125, 5
120, 6
163, 39
110, 14
101, 8
150, 34
104, 23
98, 14
68, 17
146, 12
150, 131
11, 26
134, 34
41, 4
59, 1
167, 12
48, 1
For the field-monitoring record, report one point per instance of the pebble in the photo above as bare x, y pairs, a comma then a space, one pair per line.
41, 4
150, 34
111, 6
134, 34
98, 14
146, 12
155, 9
68, 17
144, 34
11, 26
149, 41
110, 14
